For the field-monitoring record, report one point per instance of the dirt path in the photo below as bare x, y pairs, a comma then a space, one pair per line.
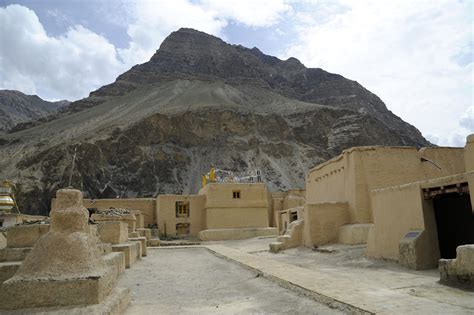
194, 281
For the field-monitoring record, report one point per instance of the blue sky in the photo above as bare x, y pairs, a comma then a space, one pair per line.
417, 55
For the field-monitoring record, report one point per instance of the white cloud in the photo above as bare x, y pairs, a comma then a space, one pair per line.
249, 12
407, 52
456, 138
153, 21
467, 119
72, 65
69, 66
416, 55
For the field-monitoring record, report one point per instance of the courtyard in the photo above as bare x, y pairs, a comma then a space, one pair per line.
194, 281
246, 278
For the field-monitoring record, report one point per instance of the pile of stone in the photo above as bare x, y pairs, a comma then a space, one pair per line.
115, 211
44, 221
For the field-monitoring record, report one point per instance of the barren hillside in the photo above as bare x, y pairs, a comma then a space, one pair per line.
16, 108
198, 102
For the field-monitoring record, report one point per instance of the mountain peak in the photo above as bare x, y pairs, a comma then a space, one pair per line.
189, 30
199, 102
185, 39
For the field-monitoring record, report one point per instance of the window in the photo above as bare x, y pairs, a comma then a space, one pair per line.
236, 194
182, 209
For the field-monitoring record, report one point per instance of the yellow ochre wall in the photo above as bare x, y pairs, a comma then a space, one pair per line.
282, 200
399, 209
469, 153
322, 222
275, 204
352, 175
166, 213
223, 211
294, 198
145, 205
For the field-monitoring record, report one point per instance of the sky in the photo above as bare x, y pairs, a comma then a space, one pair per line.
416, 55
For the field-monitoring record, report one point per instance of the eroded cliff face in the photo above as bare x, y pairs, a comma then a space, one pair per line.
198, 102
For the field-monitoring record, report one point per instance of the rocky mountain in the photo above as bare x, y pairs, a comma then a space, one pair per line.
198, 102
16, 108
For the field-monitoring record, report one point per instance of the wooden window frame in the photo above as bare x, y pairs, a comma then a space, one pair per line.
182, 209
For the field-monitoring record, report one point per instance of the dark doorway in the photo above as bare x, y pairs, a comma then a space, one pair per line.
454, 221
293, 216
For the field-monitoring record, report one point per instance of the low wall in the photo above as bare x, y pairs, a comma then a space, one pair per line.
25, 235
400, 209
469, 153
353, 234
396, 211
166, 213
3, 241
322, 222
459, 271
235, 234
145, 205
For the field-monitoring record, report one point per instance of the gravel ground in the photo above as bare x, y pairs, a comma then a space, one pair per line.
194, 281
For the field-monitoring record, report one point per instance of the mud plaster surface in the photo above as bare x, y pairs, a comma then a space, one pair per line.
194, 281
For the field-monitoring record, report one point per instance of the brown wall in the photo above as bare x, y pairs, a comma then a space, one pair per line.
145, 205
282, 200
10, 219
224, 211
228, 218
469, 153
284, 216
322, 222
275, 204
251, 195
166, 213
294, 198
351, 176
399, 209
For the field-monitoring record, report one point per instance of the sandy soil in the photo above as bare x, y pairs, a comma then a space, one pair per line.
351, 262
193, 281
